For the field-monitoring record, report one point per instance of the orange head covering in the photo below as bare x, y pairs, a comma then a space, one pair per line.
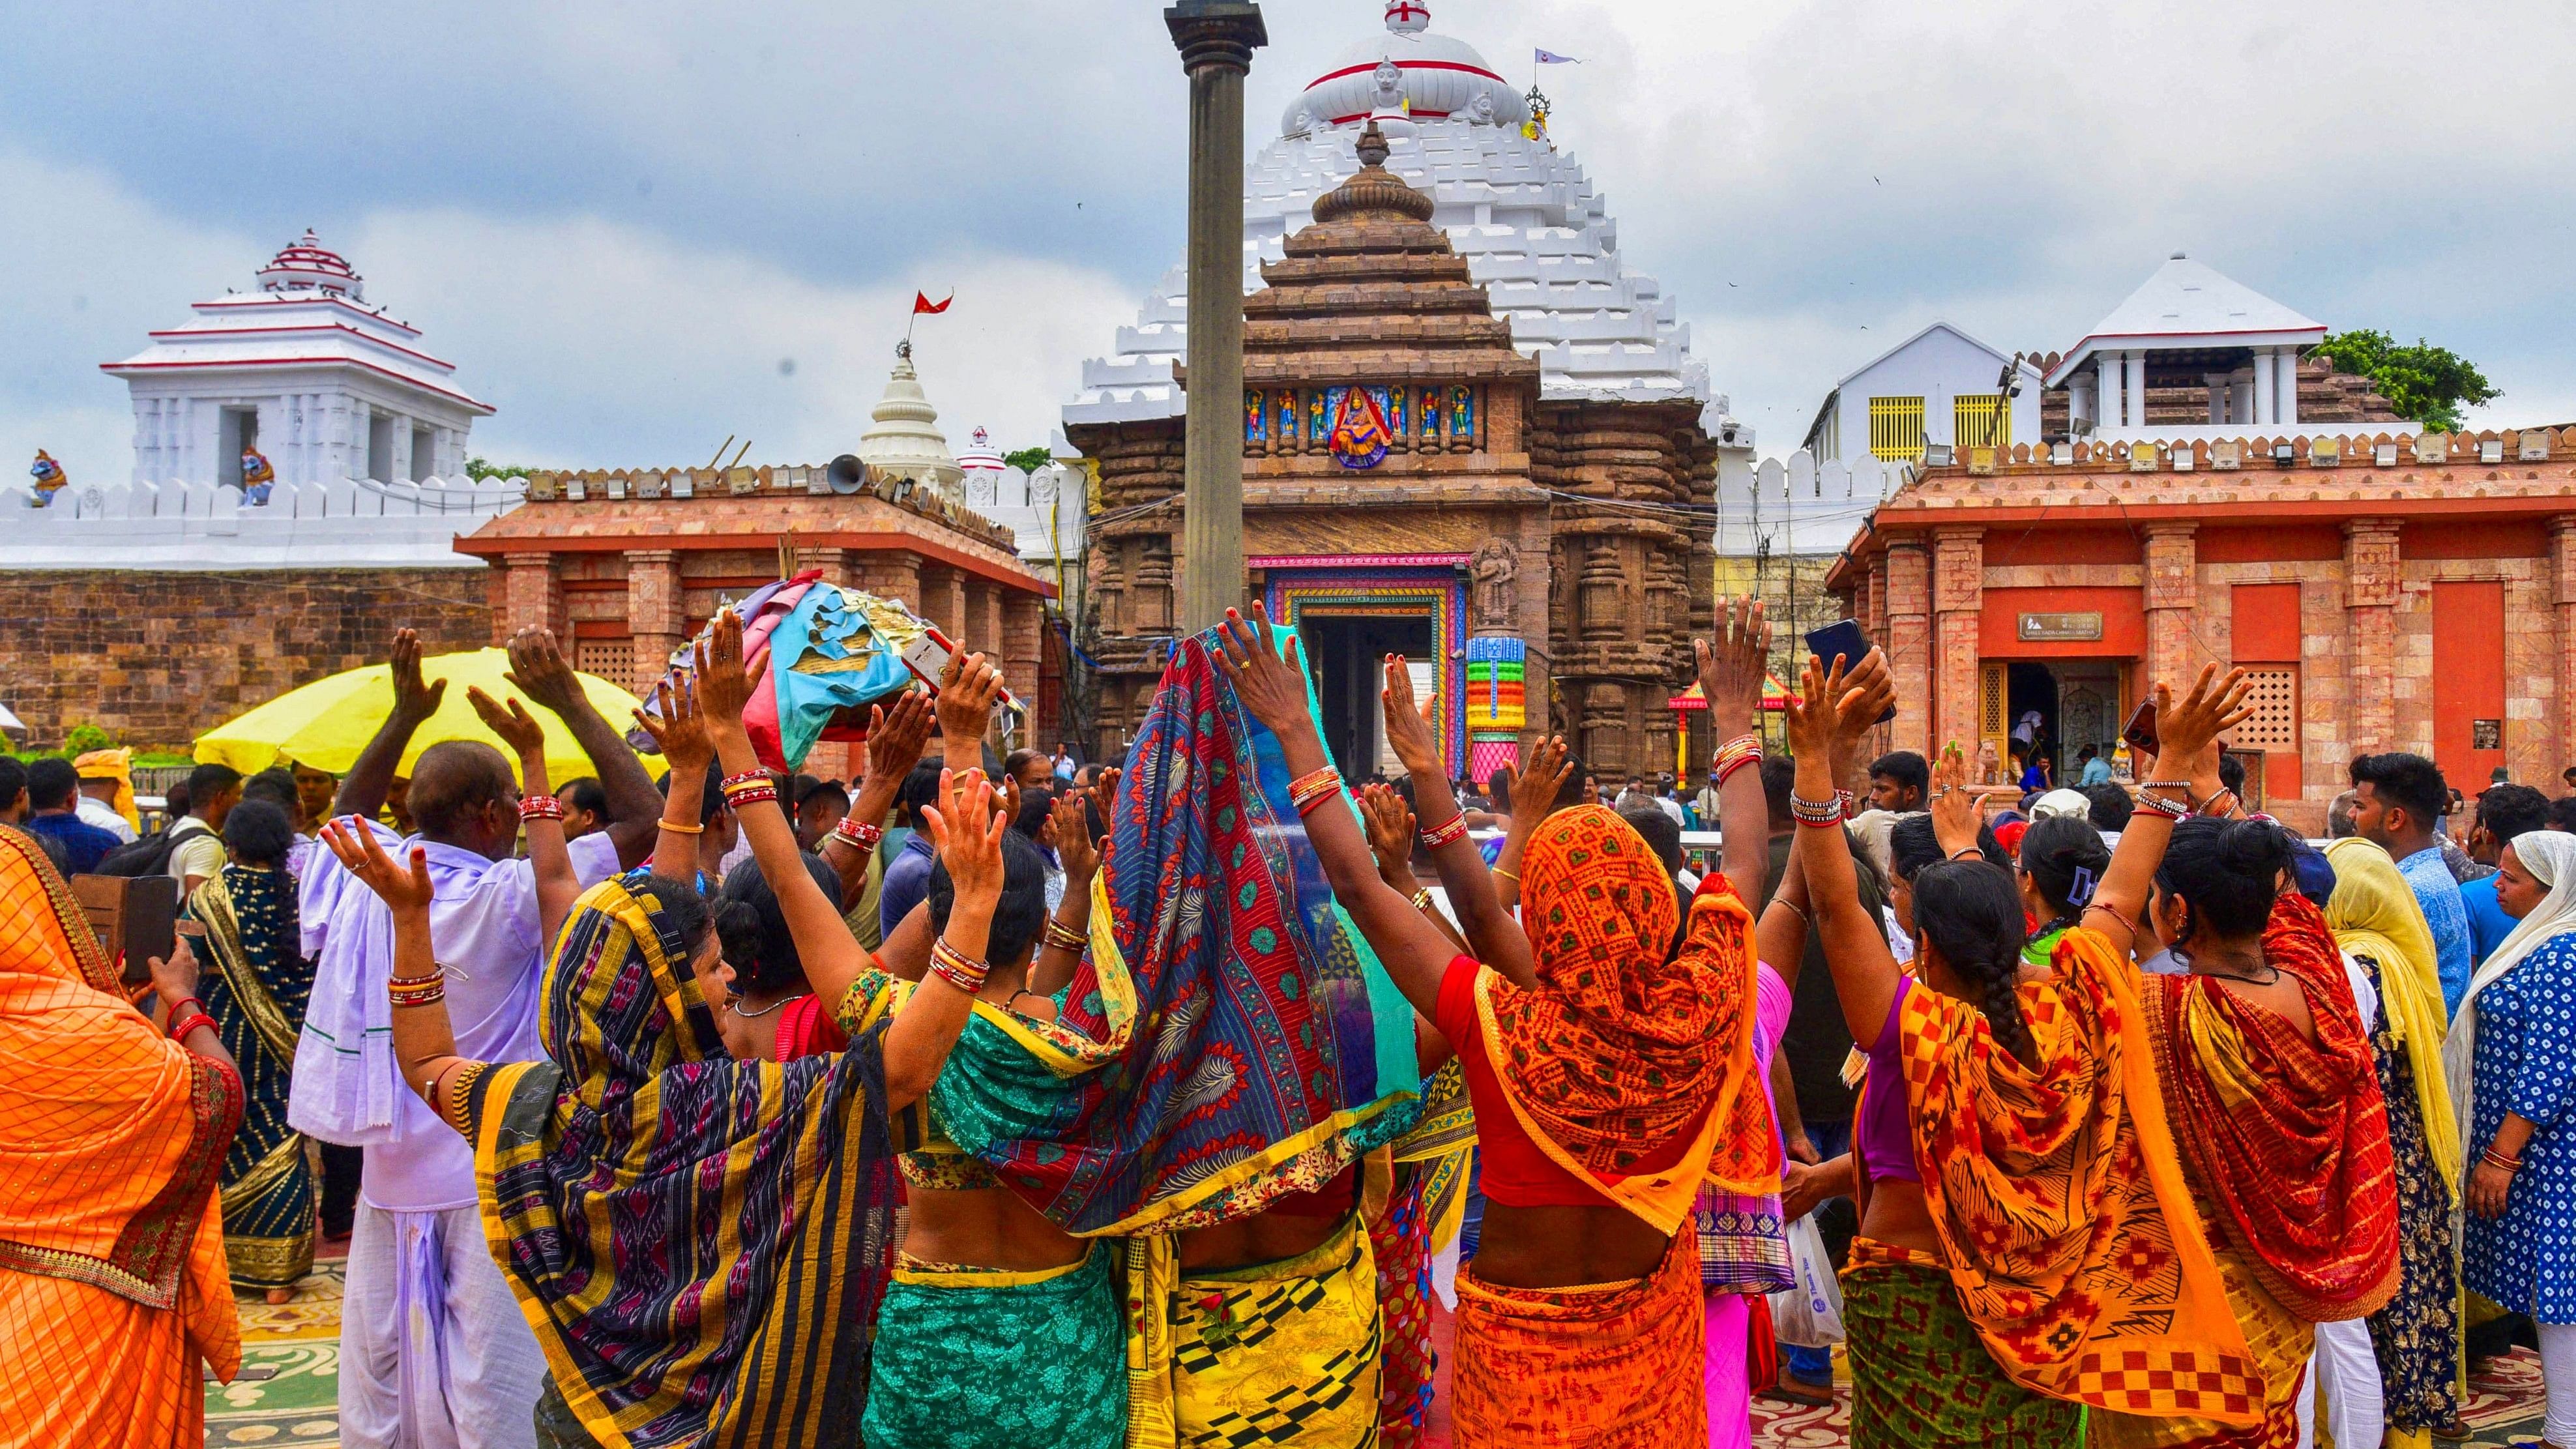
1622, 1050
118, 765
112, 1136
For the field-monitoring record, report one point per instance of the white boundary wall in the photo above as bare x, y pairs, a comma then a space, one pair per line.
196, 527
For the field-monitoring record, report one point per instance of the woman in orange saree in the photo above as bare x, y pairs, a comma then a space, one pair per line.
2273, 1091
2027, 1246
113, 1286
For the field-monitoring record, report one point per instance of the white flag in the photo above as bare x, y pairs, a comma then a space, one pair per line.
1549, 57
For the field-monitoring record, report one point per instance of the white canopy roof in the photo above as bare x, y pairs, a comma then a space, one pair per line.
2190, 304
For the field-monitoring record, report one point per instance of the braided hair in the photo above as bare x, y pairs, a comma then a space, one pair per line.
1971, 912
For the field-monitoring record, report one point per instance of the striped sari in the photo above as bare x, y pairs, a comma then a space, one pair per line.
256, 991
700, 1243
112, 1294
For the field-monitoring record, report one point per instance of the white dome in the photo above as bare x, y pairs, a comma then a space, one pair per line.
1441, 76
906, 441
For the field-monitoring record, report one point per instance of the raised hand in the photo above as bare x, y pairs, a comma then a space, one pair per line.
2185, 729
415, 700
1390, 830
539, 671
1408, 726
968, 687
1955, 816
1541, 780
724, 680
678, 727
406, 891
1869, 689
1732, 666
1274, 689
966, 830
896, 734
510, 720
1069, 820
1815, 719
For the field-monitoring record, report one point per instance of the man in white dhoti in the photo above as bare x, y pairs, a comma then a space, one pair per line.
433, 1351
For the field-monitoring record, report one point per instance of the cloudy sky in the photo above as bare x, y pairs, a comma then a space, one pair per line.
639, 227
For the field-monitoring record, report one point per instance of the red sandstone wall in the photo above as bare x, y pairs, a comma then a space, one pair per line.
158, 658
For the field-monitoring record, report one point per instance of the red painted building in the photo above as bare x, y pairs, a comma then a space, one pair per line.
2387, 591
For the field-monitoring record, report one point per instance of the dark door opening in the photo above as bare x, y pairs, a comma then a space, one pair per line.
2030, 701
1344, 653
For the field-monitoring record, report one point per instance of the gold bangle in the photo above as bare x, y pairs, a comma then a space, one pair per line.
1794, 906
1510, 875
1422, 899
677, 828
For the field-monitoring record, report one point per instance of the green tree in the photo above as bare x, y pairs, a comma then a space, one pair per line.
2426, 383
1029, 460
480, 470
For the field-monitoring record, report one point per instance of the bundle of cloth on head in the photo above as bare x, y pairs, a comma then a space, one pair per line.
1228, 1038
832, 649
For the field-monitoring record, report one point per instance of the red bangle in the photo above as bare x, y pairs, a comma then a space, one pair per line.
853, 831
741, 795
180, 1028
745, 778
541, 807
1441, 835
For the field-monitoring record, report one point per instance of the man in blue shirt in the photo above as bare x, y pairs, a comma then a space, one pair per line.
2097, 770
907, 876
2504, 812
2397, 798
53, 800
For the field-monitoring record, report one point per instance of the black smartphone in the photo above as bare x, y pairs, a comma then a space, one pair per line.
1846, 639
2140, 732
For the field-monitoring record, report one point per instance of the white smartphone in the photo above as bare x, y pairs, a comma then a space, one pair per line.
927, 657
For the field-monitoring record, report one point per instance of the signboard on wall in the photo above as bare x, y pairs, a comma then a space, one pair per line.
2085, 628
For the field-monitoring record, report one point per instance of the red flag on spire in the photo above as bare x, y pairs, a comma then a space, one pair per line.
923, 306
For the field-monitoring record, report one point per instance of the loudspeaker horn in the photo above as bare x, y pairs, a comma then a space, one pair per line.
847, 474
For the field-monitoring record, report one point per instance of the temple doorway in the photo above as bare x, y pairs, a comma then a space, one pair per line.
2056, 709
1344, 651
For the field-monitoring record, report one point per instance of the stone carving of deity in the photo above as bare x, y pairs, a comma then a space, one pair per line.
1497, 603
1389, 95
1304, 123
1482, 112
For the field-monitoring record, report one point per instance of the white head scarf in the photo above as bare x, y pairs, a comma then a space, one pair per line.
2550, 857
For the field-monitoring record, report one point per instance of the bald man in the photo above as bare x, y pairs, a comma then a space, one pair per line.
462, 1374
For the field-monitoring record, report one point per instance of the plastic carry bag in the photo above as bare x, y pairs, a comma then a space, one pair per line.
1810, 1314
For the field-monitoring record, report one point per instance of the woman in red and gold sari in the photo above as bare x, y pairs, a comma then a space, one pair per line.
2272, 1090
2027, 1248
113, 1288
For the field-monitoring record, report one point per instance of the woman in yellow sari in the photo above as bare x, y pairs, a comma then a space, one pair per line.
113, 1287
2416, 1338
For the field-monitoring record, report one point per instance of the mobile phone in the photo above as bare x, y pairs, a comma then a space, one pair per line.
2140, 731
927, 657
1843, 638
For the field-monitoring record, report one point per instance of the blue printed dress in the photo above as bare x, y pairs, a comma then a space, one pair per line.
2526, 1064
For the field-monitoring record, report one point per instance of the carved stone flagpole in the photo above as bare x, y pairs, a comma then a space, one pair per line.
1216, 40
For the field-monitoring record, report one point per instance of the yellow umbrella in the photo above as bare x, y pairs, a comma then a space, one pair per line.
326, 723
